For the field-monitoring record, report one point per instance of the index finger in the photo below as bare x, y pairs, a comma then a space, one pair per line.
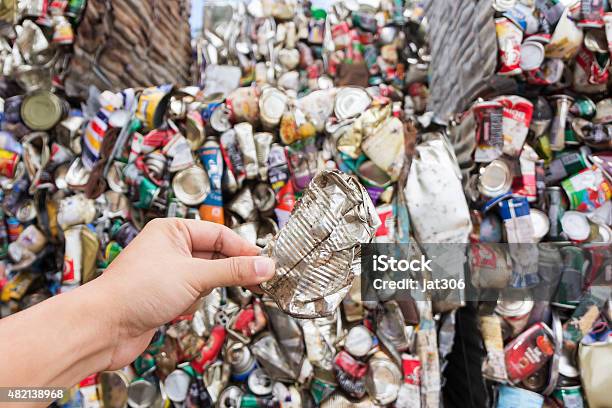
211, 237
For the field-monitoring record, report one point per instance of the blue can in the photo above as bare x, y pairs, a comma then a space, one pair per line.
511, 397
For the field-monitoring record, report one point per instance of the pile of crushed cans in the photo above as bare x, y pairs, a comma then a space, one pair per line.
292, 96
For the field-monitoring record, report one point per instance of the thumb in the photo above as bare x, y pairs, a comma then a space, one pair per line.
233, 271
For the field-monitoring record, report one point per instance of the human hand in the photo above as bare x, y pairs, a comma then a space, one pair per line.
162, 274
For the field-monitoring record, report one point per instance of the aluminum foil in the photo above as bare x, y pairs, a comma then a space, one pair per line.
316, 251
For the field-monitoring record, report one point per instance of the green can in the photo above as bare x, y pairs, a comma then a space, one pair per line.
569, 397
148, 192
584, 107
322, 386
111, 251
144, 363
253, 401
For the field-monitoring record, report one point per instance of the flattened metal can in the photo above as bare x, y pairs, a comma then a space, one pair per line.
312, 274
359, 341
259, 383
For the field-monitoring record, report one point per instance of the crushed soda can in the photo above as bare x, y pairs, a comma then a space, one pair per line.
316, 250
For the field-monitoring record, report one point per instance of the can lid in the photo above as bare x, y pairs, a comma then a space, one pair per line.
272, 105
541, 223
532, 55
495, 179
259, 383
191, 185
383, 380
358, 341
141, 393
177, 385
220, 119
230, 397
575, 225
351, 101
240, 358
514, 308
41, 110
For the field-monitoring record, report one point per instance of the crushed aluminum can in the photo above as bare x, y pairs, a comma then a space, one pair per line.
383, 379
259, 383
528, 352
244, 135
263, 144
358, 341
191, 185
272, 105
494, 366
317, 236
517, 397
350, 374
495, 179
268, 353
350, 102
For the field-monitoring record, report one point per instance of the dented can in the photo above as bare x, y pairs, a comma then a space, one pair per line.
320, 291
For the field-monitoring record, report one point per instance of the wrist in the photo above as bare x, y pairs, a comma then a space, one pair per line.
94, 311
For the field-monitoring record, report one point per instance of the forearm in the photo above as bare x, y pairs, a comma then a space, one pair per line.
57, 342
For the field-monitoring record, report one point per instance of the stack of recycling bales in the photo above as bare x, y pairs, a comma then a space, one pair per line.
124, 43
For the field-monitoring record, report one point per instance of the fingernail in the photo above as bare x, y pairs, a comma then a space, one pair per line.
264, 267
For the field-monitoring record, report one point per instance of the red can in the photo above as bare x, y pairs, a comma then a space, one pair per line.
411, 365
350, 365
529, 352
211, 349
8, 163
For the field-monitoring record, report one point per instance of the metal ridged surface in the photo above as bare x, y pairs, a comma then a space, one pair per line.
315, 251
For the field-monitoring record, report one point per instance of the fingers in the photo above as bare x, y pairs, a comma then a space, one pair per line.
210, 237
235, 271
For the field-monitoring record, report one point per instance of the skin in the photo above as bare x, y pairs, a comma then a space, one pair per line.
105, 324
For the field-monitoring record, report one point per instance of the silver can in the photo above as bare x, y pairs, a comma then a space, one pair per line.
191, 185
383, 379
312, 275
350, 102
